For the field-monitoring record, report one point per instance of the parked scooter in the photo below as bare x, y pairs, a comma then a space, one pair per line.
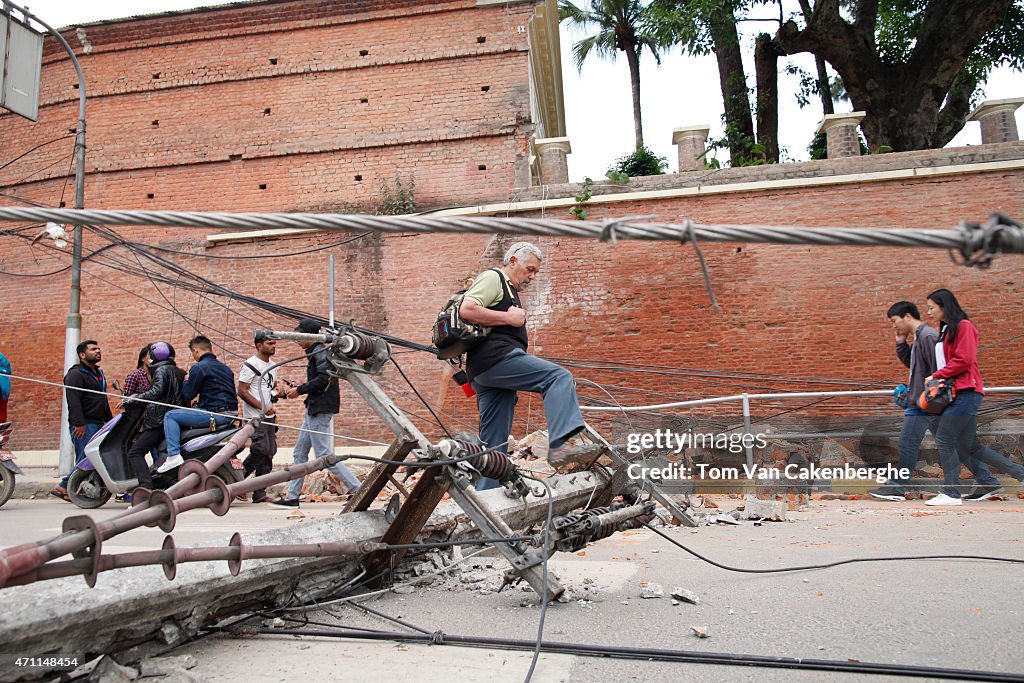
7, 467
105, 470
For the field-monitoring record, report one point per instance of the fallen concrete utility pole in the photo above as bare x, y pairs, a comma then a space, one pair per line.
137, 612
471, 461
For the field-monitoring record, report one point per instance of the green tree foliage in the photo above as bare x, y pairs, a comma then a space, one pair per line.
639, 162
914, 67
622, 25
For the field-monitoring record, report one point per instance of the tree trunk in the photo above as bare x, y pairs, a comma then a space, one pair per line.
824, 87
739, 126
633, 59
766, 72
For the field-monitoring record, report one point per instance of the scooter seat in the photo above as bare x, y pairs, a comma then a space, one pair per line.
199, 431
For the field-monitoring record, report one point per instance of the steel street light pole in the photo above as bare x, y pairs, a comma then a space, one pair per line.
73, 329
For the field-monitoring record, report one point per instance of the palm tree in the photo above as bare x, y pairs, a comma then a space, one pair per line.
622, 25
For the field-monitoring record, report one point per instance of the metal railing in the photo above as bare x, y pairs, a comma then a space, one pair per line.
746, 398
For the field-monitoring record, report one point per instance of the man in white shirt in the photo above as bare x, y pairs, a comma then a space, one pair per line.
255, 388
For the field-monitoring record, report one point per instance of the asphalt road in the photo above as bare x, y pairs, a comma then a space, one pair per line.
944, 613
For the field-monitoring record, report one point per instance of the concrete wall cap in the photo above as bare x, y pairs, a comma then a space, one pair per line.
851, 118
992, 106
679, 134
543, 144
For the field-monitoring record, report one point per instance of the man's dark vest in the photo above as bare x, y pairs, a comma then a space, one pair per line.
502, 340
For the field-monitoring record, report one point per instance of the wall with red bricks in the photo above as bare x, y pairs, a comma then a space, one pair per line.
792, 316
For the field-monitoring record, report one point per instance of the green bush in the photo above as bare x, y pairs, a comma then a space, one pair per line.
640, 162
397, 199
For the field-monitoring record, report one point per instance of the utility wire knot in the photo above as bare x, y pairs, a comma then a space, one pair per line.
609, 225
982, 243
690, 233
437, 638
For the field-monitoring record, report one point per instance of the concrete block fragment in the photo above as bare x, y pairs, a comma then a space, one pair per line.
650, 590
109, 671
774, 510
685, 595
164, 666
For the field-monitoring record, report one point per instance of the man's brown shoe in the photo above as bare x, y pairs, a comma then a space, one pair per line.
570, 455
60, 492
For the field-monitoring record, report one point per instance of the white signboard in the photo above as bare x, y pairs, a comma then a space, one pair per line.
21, 59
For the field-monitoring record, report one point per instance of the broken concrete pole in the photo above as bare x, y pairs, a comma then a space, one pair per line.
137, 613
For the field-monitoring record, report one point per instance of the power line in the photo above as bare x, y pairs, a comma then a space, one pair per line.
39, 146
976, 244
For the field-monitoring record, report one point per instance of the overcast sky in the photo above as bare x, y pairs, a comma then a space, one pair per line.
683, 91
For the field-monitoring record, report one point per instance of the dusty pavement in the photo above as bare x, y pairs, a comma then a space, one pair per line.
945, 613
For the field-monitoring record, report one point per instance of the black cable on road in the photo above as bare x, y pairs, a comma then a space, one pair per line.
671, 656
829, 564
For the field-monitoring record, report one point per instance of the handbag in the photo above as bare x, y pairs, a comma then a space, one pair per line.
937, 395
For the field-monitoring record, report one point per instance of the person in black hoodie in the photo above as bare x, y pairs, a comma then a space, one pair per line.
323, 400
166, 389
87, 411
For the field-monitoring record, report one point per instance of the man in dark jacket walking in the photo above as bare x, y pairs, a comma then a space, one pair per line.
323, 400
214, 384
166, 389
87, 411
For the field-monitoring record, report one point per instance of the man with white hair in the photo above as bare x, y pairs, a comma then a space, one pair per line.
499, 366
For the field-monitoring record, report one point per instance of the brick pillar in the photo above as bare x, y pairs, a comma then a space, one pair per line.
554, 167
523, 167
997, 119
691, 143
841, 132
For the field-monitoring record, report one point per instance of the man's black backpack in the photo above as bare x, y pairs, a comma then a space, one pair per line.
452, 335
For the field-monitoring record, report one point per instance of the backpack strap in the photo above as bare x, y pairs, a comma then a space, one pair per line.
258, 373
505, 282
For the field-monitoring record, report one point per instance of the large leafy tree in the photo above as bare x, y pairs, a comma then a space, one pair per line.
622, 25
913, 66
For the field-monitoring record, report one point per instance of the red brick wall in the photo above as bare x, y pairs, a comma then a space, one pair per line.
788, 311
287, 79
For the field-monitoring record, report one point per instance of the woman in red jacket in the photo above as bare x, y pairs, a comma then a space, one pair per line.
957, 359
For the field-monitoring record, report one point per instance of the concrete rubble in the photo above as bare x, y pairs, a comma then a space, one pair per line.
684, 595
649, 590
769, 510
